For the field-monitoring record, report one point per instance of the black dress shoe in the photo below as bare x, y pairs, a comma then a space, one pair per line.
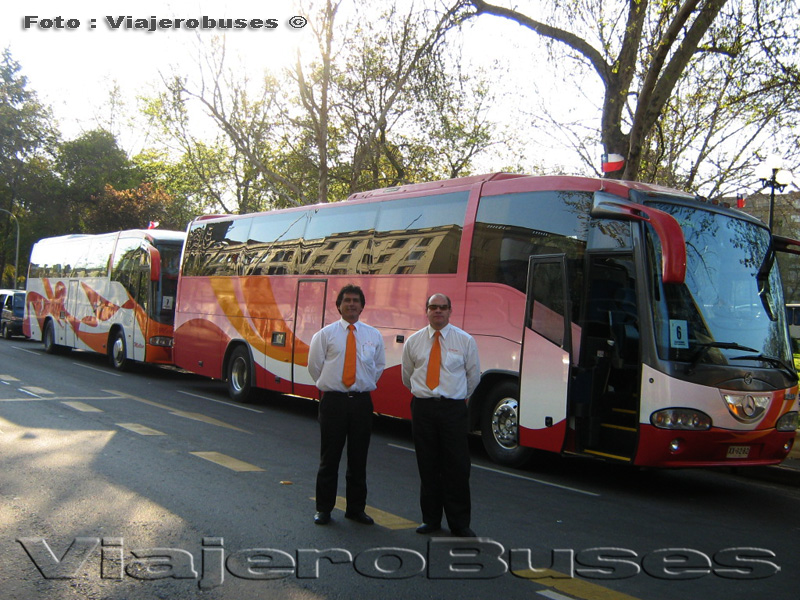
322, 518
359, 517
463, 532
428, 528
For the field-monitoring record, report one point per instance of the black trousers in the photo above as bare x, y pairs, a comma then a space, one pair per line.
343, 418
440, 431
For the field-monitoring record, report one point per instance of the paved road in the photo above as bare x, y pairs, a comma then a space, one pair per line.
138, 485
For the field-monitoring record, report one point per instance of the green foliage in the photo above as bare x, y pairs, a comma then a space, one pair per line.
177, 181
86, 166
131, 209
26, 136
374, 103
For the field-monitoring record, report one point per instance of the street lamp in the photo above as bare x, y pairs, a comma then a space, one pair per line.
772, 175
16, 258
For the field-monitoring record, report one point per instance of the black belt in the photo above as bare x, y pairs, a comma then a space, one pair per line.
347, 394
438, 398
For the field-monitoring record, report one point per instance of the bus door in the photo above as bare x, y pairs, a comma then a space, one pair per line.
546, 355
606, 402
131, 270
138, 328
309, 318
72, 318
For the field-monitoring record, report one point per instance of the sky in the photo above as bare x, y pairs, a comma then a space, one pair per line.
74, 53
73, 66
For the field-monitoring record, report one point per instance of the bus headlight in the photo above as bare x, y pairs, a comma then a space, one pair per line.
681, 418
787, 422
161, 340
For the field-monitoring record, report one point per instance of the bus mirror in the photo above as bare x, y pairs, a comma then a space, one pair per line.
787, 245
155, 263
673, 245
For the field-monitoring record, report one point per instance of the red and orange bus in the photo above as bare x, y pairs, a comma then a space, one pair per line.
111, 293
614, 319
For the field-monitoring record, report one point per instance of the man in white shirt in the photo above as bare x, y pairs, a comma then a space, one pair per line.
441, 368
346, 359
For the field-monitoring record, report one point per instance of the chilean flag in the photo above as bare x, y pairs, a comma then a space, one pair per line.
612, 162
153, 224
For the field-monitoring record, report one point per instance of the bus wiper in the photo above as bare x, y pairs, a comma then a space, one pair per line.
775, 362
762, 280
704, 347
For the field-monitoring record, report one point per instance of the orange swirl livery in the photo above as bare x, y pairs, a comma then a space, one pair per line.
110, 293
252, 312
616, 320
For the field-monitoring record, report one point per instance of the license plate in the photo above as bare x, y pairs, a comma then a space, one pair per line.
738, 451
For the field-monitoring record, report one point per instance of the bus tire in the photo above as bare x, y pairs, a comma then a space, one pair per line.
239, 374
6, 332
118, 351
500, 426
49, 339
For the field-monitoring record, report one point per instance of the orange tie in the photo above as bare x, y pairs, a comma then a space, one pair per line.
434, 363
349, 373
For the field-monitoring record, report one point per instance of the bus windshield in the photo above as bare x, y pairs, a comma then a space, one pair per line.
164, 305
730, 309
170, 257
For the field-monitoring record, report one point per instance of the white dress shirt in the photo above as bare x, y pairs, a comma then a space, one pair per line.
461, 369
326, 357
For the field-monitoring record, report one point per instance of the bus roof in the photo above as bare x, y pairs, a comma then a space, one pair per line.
508, 182
152, 235
530, 182
435, 185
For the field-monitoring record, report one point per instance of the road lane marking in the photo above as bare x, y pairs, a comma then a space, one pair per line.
82, 406
206, 419
527, 478
227, 461
36, 391
517, 476
382, 518
576, 588
222, 402
5, 378
181, 413
34, 398
106, 371
140, 429
554, 595
39, 353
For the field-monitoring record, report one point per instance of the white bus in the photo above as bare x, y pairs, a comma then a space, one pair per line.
111, 293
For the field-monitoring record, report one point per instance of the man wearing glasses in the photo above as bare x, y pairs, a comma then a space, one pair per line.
441, 368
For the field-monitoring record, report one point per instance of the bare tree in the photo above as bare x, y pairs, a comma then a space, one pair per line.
689, 86
372, 103
358, 93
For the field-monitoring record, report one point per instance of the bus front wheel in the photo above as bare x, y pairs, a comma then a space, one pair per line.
49, 340
240, 375
500, 426
118, 352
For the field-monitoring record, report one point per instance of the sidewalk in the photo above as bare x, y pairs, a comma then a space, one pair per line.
787, 473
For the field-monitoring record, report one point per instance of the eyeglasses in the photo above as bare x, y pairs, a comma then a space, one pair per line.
438, 307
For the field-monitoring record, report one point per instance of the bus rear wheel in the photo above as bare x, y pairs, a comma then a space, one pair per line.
118, 352
500, 426
240, 375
